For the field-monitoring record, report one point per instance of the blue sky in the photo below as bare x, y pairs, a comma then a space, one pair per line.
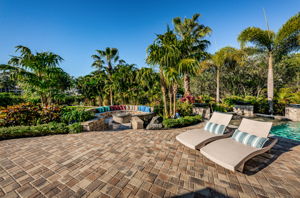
74, 29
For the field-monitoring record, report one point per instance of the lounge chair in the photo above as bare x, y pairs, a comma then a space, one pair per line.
232, 153
197, 138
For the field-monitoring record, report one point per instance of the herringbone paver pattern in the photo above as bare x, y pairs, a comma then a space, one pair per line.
138, 164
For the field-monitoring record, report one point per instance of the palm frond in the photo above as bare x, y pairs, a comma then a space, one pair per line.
24, 50
290, 28
257, 36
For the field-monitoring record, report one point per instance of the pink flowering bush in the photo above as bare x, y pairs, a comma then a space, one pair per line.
189, 98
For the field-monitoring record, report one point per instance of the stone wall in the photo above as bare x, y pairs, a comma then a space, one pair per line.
244, 110
146, 117
292, 113
204, 111
96, 124
101, 122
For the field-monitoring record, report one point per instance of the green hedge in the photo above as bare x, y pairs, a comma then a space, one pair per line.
75, 128
39, 130
27, 114
7, 99
72, 115
181, 122
260, 103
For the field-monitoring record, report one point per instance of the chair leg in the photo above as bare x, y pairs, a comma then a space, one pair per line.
241, 168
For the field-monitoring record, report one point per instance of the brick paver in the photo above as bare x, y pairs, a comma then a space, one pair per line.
138, 164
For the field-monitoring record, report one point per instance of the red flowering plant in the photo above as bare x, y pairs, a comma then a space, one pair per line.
189, 98
28, 114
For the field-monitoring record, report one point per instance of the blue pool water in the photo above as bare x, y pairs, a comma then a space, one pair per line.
290, 130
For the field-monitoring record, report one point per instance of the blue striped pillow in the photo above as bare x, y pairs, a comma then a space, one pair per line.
249, 139
215, 128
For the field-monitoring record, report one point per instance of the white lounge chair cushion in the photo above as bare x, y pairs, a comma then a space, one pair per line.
220, 118
194, 138
227, 152
258, 128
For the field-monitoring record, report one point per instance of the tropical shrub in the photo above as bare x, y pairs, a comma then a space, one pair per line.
232, 100
205, 99
7, 99
221, 107
32, 131
32, 99
185, 108
71, 116
28, 114
189, 98
49, 114
181, 122
79, 108
69, 99
159, 109
260, 103
75, 128
288, 95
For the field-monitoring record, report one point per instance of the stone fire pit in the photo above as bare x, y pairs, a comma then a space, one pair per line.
107, 117
122, 117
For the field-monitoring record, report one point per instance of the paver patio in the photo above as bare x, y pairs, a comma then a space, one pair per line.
138, 164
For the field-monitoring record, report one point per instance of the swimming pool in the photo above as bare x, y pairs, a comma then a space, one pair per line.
286, 129
290, 130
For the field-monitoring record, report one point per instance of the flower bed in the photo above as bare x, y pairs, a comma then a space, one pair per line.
182, 122
27, 114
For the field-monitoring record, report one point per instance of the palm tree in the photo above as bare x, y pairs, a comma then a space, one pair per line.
89, 86
106, 60
124, 81
172, 80
38, 73
165, 53
274, 45
147, 84
193, 46
224, 57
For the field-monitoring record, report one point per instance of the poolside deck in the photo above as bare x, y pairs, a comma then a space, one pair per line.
138, 164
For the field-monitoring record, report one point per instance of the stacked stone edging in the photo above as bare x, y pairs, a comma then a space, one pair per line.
244, 110
203, 111
292, 113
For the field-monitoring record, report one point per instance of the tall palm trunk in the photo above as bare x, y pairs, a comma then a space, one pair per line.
44, 100
175, 88
170, 101
186, 84
218, 85
163, 91
100, 100
270, 84
111, 96
298, 81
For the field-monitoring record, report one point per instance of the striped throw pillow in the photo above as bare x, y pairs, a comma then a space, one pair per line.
215, 128
249, 139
